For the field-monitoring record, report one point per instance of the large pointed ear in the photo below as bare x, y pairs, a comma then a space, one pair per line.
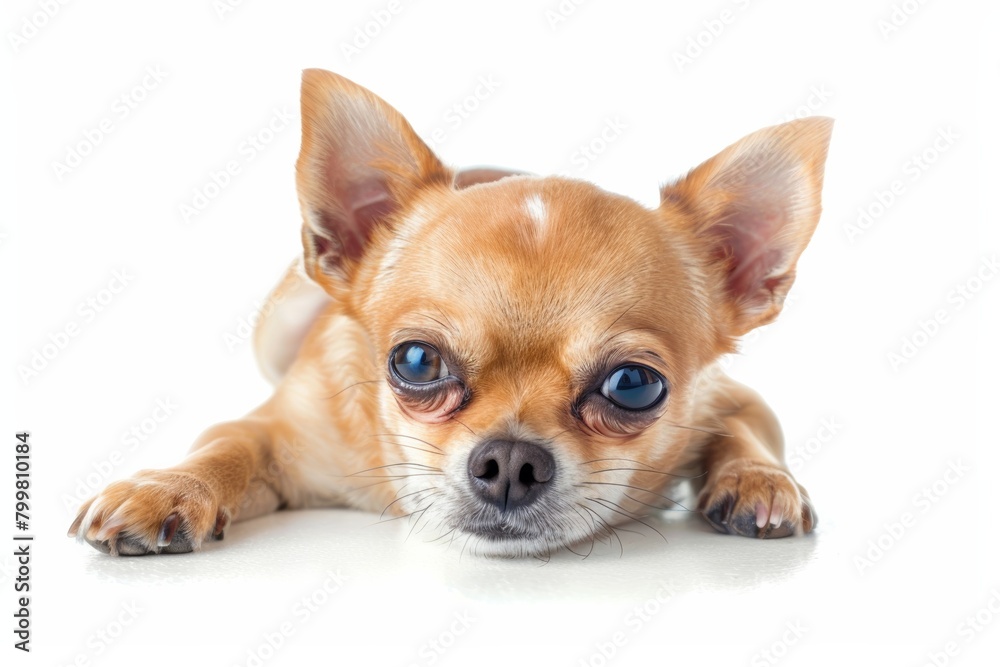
755, 205
360, 163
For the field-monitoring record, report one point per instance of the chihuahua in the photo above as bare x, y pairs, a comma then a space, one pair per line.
520, 361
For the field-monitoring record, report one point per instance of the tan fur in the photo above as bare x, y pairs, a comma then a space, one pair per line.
525, 301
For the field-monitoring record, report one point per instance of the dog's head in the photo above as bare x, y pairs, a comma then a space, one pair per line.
541, 339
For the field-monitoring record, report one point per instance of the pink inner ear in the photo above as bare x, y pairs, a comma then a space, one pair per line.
365, 204
751, 242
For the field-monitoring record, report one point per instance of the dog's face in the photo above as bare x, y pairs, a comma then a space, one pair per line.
539, 342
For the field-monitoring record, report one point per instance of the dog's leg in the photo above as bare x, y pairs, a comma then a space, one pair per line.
229, 474
747, 489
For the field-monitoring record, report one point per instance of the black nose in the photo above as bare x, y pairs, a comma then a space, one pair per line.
510, 474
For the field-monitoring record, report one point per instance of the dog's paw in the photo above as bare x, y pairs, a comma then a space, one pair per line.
756, 499
156, 511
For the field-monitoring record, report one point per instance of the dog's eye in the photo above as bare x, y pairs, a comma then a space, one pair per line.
634, 387
418, 363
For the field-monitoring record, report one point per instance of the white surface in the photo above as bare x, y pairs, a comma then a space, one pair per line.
164, 335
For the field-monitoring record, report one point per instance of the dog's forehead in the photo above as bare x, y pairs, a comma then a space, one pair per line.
524, 246
548, 260
525, 230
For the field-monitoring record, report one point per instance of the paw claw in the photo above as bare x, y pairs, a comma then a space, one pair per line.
168, 530
222, 520
809, 518
154, 512
74, 527
762, 513
756, 499
718, 515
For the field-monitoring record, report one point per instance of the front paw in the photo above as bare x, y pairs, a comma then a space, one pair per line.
756, 499
156, 511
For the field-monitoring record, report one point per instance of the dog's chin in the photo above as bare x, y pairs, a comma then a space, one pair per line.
501, 540
496, 542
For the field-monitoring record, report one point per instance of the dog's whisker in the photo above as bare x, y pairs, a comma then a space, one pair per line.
462, 552
405, 464
548, 555
451, 325
592, 532
637, 488
658, 507
419, 449
626, 514
617, 458
437, 321
442, 536
622, 333
403, 435
699, 430
351, 386
655, 472
422, 512
402, 516
625, 530
459, 421
413, 493
636, 303
611, 531
427, 522
407, 476
359, 489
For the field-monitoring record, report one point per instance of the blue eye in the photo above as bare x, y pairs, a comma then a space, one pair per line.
634, 387
418, 363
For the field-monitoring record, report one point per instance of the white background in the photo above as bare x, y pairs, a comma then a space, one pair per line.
724, 600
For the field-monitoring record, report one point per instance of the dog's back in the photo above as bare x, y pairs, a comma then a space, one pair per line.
296, 303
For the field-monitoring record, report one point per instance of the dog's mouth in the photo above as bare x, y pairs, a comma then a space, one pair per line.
505, 541
514, 535
501, 532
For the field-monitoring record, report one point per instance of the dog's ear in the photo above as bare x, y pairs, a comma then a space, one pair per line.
360, 162
755, 205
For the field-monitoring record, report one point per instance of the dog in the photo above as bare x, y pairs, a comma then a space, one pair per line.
518, 361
